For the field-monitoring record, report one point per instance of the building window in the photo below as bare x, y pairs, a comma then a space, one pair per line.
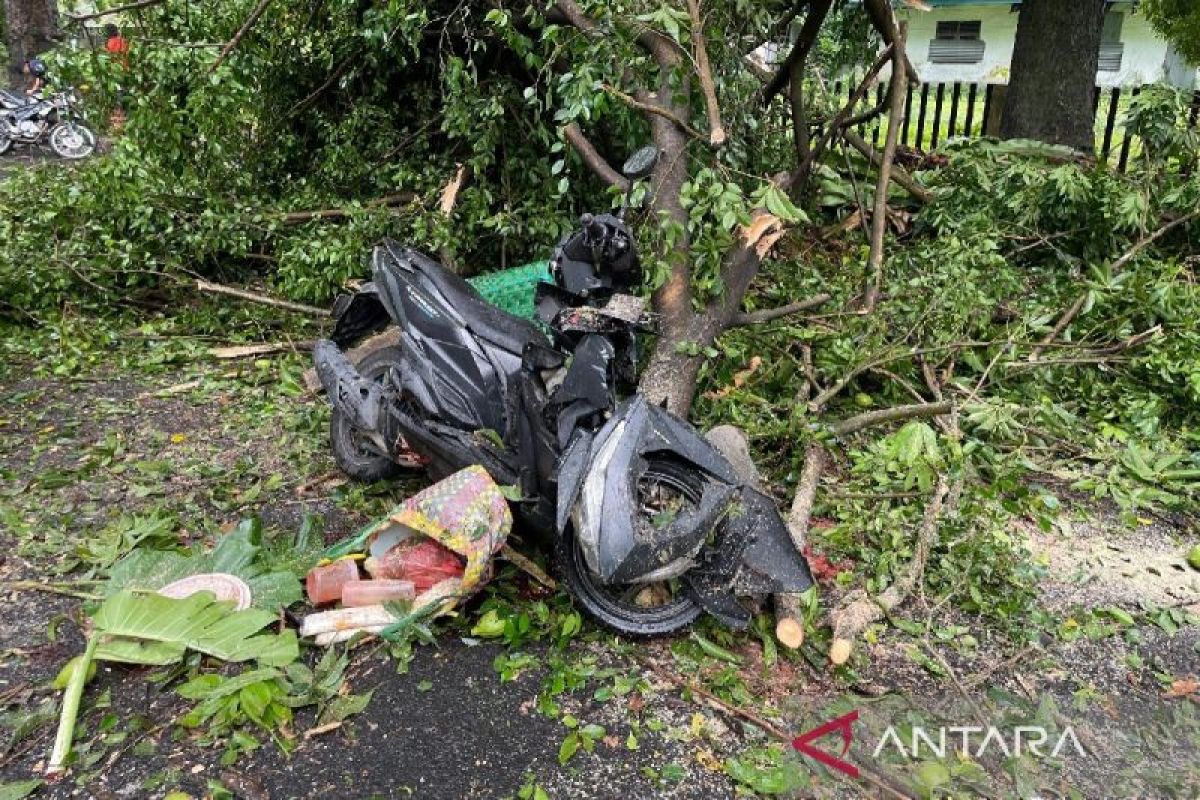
959, 30
957, 42
1112, 49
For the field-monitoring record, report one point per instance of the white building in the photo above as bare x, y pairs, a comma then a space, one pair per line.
972, 41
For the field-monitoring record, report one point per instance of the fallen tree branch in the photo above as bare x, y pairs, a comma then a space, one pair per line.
266, 349
838, 122
716, 131
651, 108
879, 212
789, 622
592, 158
237, 37
881, 16
1073, 311
859, 610
262, 299
899, 174
770, 314
893, 414
114, 10
333, 78
805, 40
528, 567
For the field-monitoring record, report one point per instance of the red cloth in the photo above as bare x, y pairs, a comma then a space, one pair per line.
118, 47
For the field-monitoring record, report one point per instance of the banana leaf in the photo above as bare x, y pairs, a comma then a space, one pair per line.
152, 629
239, 553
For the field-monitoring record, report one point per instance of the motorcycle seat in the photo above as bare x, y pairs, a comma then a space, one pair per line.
485, 320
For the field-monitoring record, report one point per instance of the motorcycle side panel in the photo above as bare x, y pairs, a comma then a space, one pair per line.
358, 315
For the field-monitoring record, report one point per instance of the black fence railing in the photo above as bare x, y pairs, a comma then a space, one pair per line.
935, 112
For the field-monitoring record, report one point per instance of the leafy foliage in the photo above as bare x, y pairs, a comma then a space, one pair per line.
239, 553
1179, 22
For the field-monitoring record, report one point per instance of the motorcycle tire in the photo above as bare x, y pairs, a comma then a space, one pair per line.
5, 144
352, 456
608, 605
81, 144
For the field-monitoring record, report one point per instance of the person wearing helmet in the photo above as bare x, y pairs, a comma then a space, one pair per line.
35, 68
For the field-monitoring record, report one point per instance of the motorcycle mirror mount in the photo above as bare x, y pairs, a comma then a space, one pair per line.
637, 166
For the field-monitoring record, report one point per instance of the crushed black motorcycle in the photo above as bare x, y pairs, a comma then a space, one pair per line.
649, 522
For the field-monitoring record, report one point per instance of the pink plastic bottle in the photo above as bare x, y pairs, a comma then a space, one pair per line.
324, 584
377, 592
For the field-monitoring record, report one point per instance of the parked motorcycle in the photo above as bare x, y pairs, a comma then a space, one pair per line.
650, 523
54, 119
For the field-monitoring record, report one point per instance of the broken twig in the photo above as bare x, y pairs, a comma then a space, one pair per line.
859, 610
262, 299
1073, 311
770, 314
237, 37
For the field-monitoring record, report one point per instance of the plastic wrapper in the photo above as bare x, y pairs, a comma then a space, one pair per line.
418, 559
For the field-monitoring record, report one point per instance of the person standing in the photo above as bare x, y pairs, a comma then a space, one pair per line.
116, 45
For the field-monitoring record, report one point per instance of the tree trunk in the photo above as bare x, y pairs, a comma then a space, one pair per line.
30, 28
1054, 63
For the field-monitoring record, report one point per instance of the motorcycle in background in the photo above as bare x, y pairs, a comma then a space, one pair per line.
650, 524
52, 119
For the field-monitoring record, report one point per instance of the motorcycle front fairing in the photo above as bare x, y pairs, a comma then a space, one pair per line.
731, 542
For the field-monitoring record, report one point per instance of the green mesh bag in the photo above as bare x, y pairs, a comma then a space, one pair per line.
512, 289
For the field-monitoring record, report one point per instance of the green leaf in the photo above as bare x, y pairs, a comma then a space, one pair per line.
345, 706
205, 687
237, 553
568, 748
197, 623
255, 699
19, 789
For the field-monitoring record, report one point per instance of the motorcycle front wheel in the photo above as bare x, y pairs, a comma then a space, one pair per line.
354, 453
72, 140
636, 609
5, 143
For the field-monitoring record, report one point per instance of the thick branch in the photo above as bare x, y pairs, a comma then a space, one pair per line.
859, 610
592, 158
716, 131
818, 10
770, 314
114, 10
663, 49
879, 212
893, 414
262, 299
237, 37
880, 14
651, 108
899, 174
838, 123
1117, 266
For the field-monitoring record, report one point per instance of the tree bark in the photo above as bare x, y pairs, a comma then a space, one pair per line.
1054, 63
30, 28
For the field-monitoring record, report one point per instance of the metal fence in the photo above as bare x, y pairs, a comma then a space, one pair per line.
935, 112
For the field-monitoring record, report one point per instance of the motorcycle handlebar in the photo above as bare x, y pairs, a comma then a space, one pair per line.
593, 229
